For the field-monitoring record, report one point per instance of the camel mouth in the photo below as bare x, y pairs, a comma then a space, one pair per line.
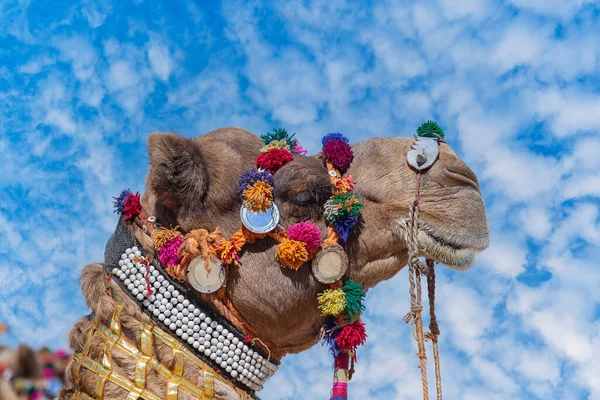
457, 252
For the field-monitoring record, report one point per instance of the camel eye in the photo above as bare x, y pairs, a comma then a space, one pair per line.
303, 198
318, 192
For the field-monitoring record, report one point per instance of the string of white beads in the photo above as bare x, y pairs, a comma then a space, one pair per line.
191, 324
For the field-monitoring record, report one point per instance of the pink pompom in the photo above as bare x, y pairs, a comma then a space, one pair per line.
48, 373
339, 153
306, 232
168, 253
299, 150
352, 336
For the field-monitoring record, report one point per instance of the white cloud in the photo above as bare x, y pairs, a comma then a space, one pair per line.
504, 256
160, 60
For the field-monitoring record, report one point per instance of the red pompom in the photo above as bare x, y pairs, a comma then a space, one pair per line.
339, 153
352, 336
132, 206
274, 159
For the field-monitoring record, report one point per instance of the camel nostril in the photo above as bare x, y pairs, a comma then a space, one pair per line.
465, 176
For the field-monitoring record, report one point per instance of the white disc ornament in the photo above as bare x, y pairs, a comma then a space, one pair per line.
201, 279
330, 264
423, 153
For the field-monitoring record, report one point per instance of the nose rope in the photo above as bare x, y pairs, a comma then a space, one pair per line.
416, 268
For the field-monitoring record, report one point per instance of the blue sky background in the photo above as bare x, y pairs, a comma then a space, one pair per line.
514, 83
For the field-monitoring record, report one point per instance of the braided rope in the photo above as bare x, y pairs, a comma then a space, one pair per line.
415, 269
434, 329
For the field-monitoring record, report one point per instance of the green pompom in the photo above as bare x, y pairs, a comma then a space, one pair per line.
279, 134
354, 297
430, 129
341, 205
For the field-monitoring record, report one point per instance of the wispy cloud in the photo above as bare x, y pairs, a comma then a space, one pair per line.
514, 84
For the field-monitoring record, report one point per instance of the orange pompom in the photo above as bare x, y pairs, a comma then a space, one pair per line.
259, 196
291, 253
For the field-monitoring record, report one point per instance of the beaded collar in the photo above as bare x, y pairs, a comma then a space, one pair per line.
192, 257
178, 311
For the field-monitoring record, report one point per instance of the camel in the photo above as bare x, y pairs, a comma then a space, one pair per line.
192, 183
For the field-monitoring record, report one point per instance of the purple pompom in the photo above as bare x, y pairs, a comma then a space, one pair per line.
251, 176
168, 253
339, 153
344, 225
334, 136
119, 202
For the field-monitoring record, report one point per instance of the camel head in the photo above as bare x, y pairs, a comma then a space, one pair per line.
193, 183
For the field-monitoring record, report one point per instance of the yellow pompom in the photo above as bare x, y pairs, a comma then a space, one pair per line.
276, 144
259, 196
161, 236
291, 253
332, 302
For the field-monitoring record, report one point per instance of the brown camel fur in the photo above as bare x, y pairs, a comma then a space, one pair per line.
193, 183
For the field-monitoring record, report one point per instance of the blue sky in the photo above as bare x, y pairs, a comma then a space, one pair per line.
515, 84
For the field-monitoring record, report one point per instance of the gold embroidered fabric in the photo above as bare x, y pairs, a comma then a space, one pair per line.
145, 362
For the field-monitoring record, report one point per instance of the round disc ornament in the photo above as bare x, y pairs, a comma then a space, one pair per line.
330, 264
259, 222
202, 280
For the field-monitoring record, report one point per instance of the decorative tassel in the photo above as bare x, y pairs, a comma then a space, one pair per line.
276, 144
354, 296
259, 196
306, 232
228, 252
339, 206
352, 336
430, 129
161, 236
279, 134
252, 176
168, 253
274, 159
343, 185
344, 226
334, 136
332, 302
291, 253
338, 151
299, 150
120, 201
132, 206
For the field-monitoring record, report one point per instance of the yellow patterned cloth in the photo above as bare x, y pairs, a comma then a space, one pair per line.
145, 362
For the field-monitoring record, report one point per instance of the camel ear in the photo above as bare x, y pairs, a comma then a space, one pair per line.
178, 173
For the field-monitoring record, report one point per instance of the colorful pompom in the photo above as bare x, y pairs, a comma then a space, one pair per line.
343, 185
299, 150
334, 136
344, 226
339, 153
291, 253
306, 232
228, 252
276, 144
274, 159
252, 176
279, 134
339, 206
119, 202
354, 297
132, 206
430, 129
168, 253
161, 236
351, 336
258, 196
332, 302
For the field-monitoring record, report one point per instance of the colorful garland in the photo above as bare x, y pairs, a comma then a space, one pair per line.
341, 303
